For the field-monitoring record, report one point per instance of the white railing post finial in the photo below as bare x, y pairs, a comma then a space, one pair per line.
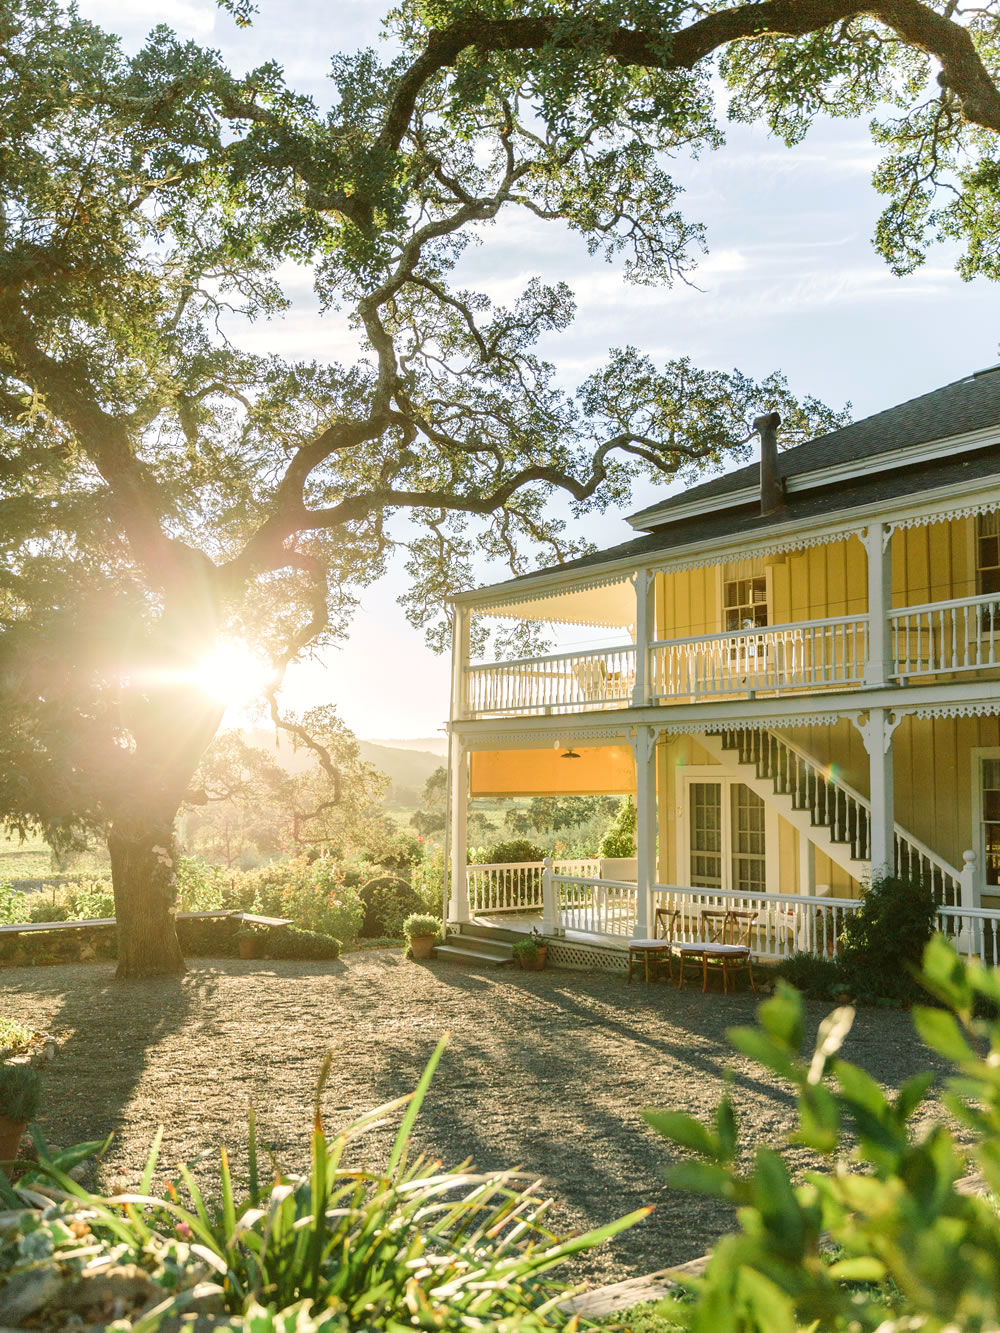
550, 907
970, 896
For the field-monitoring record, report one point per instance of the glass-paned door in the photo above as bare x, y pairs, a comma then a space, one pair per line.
749, 863
706, 835
991, 820
727, 847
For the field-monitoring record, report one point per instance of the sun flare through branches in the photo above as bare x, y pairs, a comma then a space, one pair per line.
233, 674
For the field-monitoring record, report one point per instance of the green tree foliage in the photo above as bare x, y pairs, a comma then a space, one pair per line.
243, 799
620, 837
892, 1244
162, 488
430, 818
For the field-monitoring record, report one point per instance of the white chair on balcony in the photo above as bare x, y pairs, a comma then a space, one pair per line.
591, 676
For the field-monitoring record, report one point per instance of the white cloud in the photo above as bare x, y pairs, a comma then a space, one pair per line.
188, 18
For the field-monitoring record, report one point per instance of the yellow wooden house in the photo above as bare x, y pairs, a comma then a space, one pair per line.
801, 683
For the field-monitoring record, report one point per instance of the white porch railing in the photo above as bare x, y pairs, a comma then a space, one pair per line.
782, 657
961, 635
595, 906
563, 682
974, 931
517, 887
786, 923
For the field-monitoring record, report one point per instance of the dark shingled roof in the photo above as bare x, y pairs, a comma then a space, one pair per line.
703, 529
967, 405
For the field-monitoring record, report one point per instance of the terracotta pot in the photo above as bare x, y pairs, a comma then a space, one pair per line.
10, 1137
539, 962
422, 945
251, 947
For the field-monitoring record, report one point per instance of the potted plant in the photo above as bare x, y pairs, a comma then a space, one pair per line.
251, 942
531, 953
20, 1093
421, 932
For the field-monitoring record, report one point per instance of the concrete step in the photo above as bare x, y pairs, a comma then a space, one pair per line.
496, 934
459, 950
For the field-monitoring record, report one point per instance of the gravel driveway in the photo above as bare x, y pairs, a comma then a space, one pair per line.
548, 1070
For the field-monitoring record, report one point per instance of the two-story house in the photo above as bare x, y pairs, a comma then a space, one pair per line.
804, 685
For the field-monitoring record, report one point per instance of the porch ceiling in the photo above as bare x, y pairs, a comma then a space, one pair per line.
600, 770
611, 605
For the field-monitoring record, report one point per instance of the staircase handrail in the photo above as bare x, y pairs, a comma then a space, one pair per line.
903, 834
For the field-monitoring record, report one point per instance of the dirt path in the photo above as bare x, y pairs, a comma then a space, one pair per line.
549, 1070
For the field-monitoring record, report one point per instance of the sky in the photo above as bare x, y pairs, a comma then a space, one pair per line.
791, 282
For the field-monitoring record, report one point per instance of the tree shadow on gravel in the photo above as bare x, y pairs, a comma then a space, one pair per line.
105, 1030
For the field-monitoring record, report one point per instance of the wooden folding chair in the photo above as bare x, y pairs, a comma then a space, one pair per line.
666, 922
737, 931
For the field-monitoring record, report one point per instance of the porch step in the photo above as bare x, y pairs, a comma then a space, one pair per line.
470, 949
494, 934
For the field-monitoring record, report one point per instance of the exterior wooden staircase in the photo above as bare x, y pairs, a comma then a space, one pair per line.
484, 946
822, 807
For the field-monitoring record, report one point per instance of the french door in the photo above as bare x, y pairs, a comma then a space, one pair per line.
730, 836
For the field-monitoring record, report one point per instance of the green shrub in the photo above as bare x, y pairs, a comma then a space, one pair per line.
819, 978
526, 951
388, 901
307, 944
20, 1092
211, 938
47, 910
201, 887
511, 853
883, 942
892, 1245
419, 924
91, 900
13, 904
620, 837
406, 1246
312, 894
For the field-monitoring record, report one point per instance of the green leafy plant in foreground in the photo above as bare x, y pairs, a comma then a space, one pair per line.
408, 1246
883, 1239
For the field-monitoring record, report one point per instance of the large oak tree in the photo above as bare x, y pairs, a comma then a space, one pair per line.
161, 487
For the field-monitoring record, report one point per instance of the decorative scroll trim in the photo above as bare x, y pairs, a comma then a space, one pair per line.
960, 710
747, 724
494, 609
947, 515
776, 548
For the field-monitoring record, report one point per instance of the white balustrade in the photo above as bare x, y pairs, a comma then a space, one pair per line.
961, 635
781, 657
516, 887
786, 923
561, 683
596, 906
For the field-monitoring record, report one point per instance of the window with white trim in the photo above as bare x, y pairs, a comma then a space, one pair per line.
989, 773
727, 841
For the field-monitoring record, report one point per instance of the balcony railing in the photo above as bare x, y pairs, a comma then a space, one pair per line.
561, 683
938, 638
945, 637
809, 654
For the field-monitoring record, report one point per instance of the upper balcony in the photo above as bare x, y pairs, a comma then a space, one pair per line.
900, 607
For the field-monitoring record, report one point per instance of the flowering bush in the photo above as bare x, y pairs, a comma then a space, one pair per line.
201, 887
312, 893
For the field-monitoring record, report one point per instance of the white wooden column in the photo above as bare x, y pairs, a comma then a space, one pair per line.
644, 749
644, 584
876, 731
458, 907
878, 547
459, 661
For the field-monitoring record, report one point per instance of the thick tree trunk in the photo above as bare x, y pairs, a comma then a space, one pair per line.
143, 856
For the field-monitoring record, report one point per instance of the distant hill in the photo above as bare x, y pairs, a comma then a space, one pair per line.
405, 767
432, 744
